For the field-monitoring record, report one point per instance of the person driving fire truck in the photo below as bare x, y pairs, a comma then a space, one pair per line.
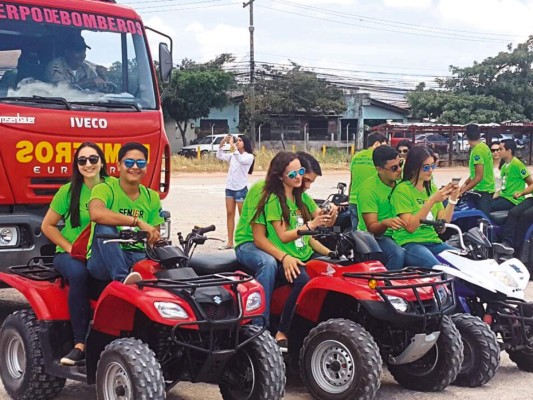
72, 67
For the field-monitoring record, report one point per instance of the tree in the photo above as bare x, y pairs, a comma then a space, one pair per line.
288, 91
497, 89
196, 88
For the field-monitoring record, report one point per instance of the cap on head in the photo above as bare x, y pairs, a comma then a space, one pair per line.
75, 43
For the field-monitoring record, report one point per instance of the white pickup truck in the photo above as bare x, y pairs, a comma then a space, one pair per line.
207, 144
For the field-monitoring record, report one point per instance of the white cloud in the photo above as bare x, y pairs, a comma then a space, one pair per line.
154, 39
324, 2
511, 17
219, 39
407, 3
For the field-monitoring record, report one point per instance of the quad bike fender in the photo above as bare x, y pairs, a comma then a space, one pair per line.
311, 298
116, 307
49, 300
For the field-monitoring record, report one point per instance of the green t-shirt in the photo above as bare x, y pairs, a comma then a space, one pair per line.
374, 197
61, 205
480, 154
147, 206
406, 199
300, 247
513, 176
361, 168
243, 232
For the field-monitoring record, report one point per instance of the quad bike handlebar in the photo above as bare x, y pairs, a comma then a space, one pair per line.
204, 230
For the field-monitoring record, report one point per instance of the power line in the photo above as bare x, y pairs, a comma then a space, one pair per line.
384, 29
362, 17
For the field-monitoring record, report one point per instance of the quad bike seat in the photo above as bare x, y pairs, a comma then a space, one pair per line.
499, 217
205, 264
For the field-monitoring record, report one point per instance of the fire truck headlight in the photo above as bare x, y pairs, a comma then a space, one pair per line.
9, 236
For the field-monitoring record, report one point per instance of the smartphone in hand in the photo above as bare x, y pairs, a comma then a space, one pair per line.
456, 181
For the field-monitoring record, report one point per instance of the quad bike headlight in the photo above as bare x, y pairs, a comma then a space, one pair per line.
504, 278
164, 230
253, 302
9, 236
398, 303
442, 292
170, 310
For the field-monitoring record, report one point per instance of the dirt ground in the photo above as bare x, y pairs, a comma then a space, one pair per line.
198, 199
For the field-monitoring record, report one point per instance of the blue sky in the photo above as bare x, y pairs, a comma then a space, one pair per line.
393, 42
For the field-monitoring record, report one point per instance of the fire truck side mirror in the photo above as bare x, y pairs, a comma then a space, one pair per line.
165, 62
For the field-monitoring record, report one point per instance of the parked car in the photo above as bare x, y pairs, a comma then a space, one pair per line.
396, 137
207, 144
438, 143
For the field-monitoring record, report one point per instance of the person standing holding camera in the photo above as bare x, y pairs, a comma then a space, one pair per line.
241, 164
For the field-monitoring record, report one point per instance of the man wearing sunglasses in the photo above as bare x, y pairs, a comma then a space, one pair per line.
375, 211
123, 202
481, 178
362, 168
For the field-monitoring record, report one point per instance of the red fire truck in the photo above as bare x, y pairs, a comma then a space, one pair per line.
46, 111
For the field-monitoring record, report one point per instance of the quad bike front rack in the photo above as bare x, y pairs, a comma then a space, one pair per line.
515, 318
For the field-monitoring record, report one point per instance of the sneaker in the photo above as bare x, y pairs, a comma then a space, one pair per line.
132, 278
283, 345
75, 357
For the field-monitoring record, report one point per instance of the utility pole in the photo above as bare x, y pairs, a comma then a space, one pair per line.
252, 71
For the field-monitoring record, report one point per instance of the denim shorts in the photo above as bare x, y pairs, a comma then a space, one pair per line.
238, 195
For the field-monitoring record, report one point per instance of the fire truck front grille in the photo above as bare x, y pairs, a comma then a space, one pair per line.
46, 186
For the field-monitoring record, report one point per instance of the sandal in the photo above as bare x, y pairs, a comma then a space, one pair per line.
283, 345
226, 247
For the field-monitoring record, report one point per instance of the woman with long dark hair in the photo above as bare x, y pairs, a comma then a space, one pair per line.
70, 205
241, 164
415, 198
284, 209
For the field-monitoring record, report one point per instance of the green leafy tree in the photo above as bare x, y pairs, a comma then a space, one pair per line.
288, 91
196, 88
498, 88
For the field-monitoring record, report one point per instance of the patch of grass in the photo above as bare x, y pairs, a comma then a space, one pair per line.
332, 159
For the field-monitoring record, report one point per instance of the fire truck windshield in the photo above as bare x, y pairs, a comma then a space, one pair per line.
96, 61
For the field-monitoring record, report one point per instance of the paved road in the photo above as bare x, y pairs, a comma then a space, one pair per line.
199, 199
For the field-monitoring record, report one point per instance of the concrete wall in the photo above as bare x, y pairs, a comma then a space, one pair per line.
230, 113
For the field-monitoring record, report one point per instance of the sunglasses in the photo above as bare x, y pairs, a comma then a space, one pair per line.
494, 150
92, 159
130, 162
396, 167
428, 167
403, 151
295, 173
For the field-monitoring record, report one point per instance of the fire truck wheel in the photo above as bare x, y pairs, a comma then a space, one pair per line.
22, 362
481, 351
257, 370
438, 367
128, 369
340, 360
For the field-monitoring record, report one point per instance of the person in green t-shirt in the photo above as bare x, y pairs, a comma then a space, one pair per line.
415, 198
284, 209
362, 168
375, 210
256, 252
514, 175
70, 205
481, 178
124, 202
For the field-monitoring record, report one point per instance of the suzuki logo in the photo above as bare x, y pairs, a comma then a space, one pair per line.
217, 299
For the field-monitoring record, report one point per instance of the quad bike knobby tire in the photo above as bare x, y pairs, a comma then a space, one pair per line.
340, 360
481, 351
438, 367
21, 360
256, 372
128, 370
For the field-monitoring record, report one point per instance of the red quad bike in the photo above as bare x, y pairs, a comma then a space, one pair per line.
144, 338
354, 313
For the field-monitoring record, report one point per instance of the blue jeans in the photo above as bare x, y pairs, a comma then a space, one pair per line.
75, 273
423, 254
267, 270
501, 204
393, 255
238, 195
109, 261
354, 218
